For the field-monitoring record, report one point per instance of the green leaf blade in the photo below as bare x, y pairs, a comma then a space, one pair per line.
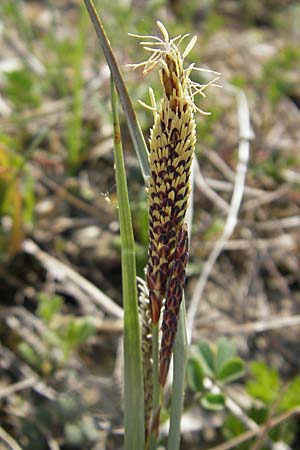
195, 374
206, 357
231, 371
265, 383
291, 397
226, 350
133, 124
213, 402
134, 391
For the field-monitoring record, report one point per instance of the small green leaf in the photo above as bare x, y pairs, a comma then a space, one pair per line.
291, 397
29, 355
206, 356
213, 402
75, 333
48, 306
259, 413
23, 89
232, 370
195, 374
265, 384
232, 426
226, 350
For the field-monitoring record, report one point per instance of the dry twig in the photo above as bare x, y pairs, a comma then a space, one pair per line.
259, 326
16, 387
243, 155
205, 189
252, 433
8, 440
62, 271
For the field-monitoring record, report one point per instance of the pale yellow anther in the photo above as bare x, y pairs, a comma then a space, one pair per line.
189, 47
163, 30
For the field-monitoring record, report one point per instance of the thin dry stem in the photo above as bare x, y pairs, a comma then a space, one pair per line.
240, 178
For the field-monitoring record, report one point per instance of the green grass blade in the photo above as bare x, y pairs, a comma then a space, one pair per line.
134, 395
133, 124
179, 364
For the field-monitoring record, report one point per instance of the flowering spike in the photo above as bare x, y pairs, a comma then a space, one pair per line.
172, 143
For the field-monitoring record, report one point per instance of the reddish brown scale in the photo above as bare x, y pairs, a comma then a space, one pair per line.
173, 299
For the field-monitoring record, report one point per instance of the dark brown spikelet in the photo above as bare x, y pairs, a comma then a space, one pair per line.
172, 144
173, 299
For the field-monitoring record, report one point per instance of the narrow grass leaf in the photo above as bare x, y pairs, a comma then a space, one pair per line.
133, 124
134, 395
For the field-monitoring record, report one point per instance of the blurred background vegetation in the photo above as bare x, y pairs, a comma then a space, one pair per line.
60, 338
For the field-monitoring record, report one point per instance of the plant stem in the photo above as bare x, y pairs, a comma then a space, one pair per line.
179, 364
155, 332
156, 387
155, 403
134, 391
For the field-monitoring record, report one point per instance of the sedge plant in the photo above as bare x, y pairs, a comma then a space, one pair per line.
166, 166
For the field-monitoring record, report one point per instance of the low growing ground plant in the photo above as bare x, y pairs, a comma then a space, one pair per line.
167, 170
